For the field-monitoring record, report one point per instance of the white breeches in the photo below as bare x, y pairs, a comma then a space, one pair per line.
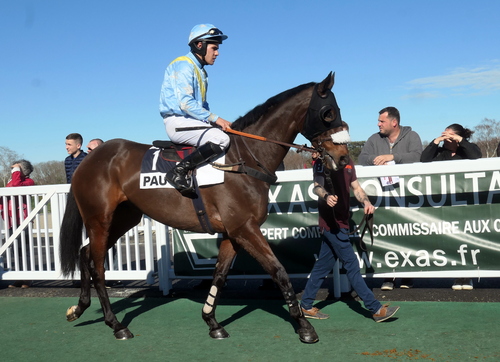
194, 137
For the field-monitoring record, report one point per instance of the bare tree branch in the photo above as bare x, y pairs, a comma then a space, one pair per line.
487, 136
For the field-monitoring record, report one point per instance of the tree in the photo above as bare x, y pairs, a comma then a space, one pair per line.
296, 160
49, 173
487, 136
7, 157
355, 149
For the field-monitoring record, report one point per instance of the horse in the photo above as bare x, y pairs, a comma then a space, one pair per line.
112, 202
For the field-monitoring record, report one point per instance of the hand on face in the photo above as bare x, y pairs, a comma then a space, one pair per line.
448, 136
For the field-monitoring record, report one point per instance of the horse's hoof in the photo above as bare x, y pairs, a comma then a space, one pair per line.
71, 314
219, 333
123, 334
308, 336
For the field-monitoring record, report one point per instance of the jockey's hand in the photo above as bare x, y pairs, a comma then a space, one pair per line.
222, 123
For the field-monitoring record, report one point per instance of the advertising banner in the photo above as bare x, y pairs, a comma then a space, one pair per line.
440, 219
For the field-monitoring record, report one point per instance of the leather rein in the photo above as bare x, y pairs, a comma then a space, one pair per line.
255, 137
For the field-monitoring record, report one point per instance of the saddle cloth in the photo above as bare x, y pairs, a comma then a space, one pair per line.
154, 167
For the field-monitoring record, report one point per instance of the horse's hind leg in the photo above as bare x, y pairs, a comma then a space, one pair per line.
76, 311
227, 252
103, 236
98, 256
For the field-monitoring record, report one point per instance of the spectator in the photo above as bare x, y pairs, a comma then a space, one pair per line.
20, 172
315, 155
392, 144
456, 146
74, 143
93, 144
183, 104
335, 241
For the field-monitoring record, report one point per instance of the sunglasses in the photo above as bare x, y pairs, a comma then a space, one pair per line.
213, 31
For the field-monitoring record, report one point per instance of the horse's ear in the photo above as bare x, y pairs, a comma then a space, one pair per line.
326, 85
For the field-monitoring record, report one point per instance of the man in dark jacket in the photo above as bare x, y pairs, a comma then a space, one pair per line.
74, 143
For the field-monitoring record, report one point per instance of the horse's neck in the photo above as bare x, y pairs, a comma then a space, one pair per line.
282, 124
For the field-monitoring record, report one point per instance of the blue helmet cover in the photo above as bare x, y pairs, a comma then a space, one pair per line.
203, 32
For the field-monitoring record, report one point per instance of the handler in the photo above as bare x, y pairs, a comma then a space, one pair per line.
332, 189
183, 104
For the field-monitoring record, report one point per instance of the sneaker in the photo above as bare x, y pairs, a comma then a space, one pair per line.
457, 284
385, 313
314, 313
406, 283
467, 284
387, 286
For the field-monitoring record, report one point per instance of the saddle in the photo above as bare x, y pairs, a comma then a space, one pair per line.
173, 151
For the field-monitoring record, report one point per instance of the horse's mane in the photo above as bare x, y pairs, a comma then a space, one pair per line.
255, 114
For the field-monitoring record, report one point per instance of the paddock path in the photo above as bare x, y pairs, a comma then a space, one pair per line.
440, 325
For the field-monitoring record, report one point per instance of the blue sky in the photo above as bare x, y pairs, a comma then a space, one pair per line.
96, 67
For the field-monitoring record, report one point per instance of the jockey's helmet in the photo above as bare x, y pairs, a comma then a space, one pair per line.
206, 33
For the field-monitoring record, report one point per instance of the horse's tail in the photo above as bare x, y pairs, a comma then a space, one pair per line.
70, 236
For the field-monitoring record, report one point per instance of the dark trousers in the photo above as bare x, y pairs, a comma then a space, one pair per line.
337, 245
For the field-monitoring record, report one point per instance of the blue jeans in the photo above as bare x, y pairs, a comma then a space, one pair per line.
337, 244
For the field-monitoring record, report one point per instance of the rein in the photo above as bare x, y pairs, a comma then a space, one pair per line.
255, 137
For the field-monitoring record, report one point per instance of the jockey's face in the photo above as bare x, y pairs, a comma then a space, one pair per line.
212, 53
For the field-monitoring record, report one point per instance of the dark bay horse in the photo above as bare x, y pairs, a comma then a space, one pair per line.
106, 198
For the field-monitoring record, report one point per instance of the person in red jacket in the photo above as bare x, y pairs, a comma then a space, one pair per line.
20, 173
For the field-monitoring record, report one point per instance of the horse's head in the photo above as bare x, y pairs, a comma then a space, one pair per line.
332, 147
323, 113
324, 127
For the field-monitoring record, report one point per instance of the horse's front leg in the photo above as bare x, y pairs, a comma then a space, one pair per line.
257, 246
306, 331
227, 252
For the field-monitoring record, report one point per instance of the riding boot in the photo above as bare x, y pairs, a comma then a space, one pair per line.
179, 175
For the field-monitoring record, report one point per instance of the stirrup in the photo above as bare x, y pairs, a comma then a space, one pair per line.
173, 178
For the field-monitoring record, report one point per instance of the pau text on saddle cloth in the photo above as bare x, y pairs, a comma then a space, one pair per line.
154, 168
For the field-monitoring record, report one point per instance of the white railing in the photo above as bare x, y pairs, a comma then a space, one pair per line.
30, 251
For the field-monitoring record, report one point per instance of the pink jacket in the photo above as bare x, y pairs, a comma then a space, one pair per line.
18, 179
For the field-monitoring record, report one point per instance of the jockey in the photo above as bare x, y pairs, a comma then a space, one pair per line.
183, 104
